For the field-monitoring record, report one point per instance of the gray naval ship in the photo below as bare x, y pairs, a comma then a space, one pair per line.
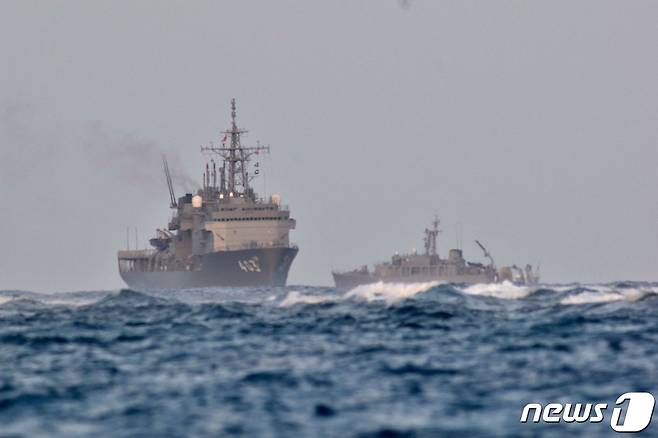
222, 235
426, 267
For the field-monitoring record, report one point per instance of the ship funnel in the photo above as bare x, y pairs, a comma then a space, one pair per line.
276, 200
197, 201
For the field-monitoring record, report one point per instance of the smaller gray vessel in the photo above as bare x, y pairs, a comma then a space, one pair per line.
418, 268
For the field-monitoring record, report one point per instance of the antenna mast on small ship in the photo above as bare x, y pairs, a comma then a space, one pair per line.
430, 237
236, 156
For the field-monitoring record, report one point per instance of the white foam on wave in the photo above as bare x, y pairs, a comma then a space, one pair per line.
389, 292
73, 302
70, 299
295, 297
562, 288
591, 297
505, 290
606, 294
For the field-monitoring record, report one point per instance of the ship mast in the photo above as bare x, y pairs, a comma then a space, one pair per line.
237, 158
430, 237
235, 146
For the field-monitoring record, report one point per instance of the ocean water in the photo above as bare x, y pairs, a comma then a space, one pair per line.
379, 360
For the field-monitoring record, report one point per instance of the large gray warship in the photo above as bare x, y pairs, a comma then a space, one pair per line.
222, 235
426, 267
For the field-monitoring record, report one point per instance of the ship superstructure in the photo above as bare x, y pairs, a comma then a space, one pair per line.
222, 235
429, 266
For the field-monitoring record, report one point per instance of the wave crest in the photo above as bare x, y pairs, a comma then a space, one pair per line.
130, 297
294, 297
605, 294
389, 292
505, 290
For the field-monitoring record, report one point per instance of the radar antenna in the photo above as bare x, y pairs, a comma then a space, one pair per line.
237, 157
170, 185
486, 253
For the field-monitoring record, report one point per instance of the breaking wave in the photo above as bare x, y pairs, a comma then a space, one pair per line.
389, 292
574, 294
505, 290
295, 297
607, 294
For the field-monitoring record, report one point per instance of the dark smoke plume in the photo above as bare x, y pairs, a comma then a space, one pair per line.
134, 159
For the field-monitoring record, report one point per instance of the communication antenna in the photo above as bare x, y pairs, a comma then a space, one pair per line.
459, 235
214, 175
265, 178
260, 167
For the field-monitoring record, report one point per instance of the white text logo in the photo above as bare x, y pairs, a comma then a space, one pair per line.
632, 412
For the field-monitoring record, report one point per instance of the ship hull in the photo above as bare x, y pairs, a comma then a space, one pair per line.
248, 267
353, 279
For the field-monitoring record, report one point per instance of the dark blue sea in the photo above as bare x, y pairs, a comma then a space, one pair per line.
376, 361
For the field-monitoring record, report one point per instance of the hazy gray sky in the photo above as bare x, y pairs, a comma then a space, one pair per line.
533, 124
